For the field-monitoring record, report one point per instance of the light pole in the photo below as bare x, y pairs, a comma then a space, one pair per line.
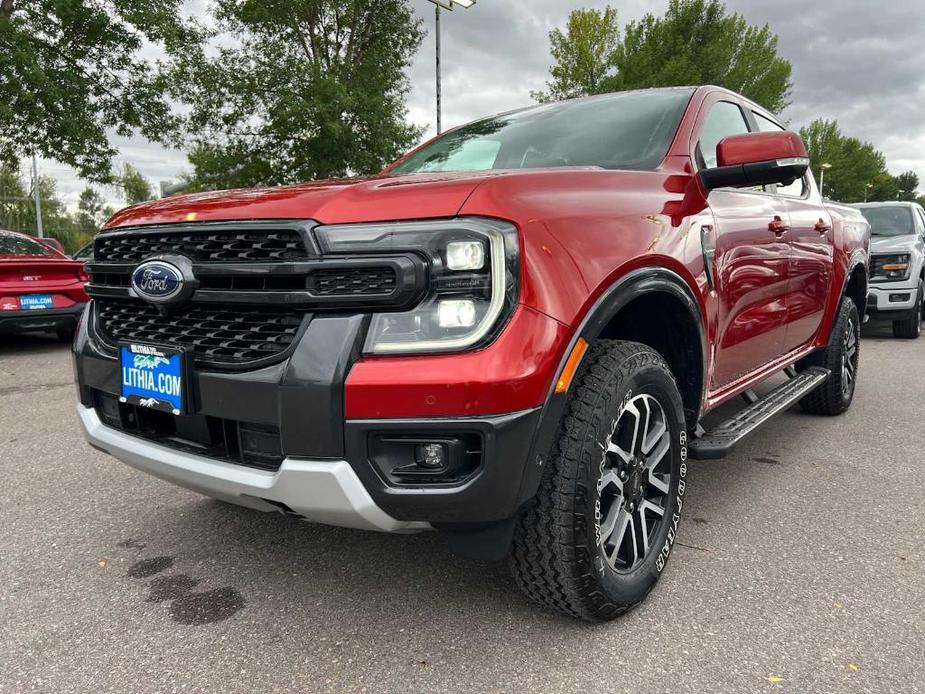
822, 171
867, 187
447, 5
38, 200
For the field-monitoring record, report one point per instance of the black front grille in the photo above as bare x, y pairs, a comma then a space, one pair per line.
242, 443
272, 246
354, 282
217, 335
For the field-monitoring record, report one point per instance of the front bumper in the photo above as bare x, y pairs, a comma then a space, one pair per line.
326, 491
891, 300
41, 320
330, 471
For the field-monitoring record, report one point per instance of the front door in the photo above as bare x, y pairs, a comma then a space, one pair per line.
811, 253
751, 267
751, 260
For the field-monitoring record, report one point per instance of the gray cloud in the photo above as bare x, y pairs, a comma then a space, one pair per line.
854, 61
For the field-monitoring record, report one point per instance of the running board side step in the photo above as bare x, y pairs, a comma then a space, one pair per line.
719, 442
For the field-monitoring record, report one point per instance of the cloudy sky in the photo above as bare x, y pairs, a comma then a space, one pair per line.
859, 62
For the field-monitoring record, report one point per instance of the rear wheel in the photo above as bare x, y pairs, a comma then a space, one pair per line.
911, 328
840, 357
595, 539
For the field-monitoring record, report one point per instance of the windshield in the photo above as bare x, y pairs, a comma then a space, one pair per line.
626, 130
14, 244
889, 220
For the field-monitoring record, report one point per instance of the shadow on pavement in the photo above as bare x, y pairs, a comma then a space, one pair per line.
312, 567
32, 343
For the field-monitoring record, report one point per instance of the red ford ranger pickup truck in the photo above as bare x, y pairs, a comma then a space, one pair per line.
511, 335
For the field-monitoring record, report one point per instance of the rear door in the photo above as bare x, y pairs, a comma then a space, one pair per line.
751, 257
811, 254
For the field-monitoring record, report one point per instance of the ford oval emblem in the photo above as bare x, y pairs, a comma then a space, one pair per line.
157, 281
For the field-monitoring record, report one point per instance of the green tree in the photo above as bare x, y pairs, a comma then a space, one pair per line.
907, 184
73, 71
17, 209
92, 210
583, 54
307, 89
695, 42
857, 169
133, 186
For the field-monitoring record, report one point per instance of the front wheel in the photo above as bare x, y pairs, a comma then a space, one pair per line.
840, 357
595, 539
910, 328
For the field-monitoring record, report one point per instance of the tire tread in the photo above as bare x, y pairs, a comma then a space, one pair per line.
544, 560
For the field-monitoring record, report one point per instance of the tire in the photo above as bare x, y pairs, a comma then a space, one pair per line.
910, 328
575, 549
840, 357
65, 332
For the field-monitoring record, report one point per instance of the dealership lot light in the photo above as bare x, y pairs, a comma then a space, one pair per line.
447, 5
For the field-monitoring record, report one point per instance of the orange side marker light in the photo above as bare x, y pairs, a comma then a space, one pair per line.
571, 366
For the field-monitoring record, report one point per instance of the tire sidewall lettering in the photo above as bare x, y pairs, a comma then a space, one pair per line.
665, 551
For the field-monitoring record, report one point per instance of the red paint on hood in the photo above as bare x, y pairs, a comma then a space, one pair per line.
375, 199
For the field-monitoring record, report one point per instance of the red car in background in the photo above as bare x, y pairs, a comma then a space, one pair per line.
41, 290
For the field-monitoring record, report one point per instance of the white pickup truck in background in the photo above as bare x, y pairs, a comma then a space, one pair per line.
897, 265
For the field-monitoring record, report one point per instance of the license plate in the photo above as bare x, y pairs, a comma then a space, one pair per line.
153, 377
28, 302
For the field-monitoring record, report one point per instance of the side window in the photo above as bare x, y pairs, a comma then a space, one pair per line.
723, 120
796, 189
921, 215
766, 125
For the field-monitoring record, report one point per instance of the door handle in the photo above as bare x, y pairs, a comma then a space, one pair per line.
822, 226
778, 226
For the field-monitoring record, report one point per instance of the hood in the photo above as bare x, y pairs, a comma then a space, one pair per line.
893, 244
374, 199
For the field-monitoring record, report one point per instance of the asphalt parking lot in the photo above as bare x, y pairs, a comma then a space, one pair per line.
801, 568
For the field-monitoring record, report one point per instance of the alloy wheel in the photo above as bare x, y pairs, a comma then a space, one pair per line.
634, 484
849, 359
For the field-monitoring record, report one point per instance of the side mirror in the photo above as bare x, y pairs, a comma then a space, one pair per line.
757, 159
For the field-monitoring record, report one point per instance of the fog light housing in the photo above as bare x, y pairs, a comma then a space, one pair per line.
434, 458
900, 297
430, 455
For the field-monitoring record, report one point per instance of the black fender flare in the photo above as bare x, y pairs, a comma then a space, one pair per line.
858, 259
631, 286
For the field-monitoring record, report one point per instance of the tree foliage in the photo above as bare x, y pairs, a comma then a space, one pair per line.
92, 210
74, 70
907, 184
308, 89
133, 186
695, 42
857, 169
583, 54
17, 209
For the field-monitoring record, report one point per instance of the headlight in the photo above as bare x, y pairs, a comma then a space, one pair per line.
472, 285
891, 267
